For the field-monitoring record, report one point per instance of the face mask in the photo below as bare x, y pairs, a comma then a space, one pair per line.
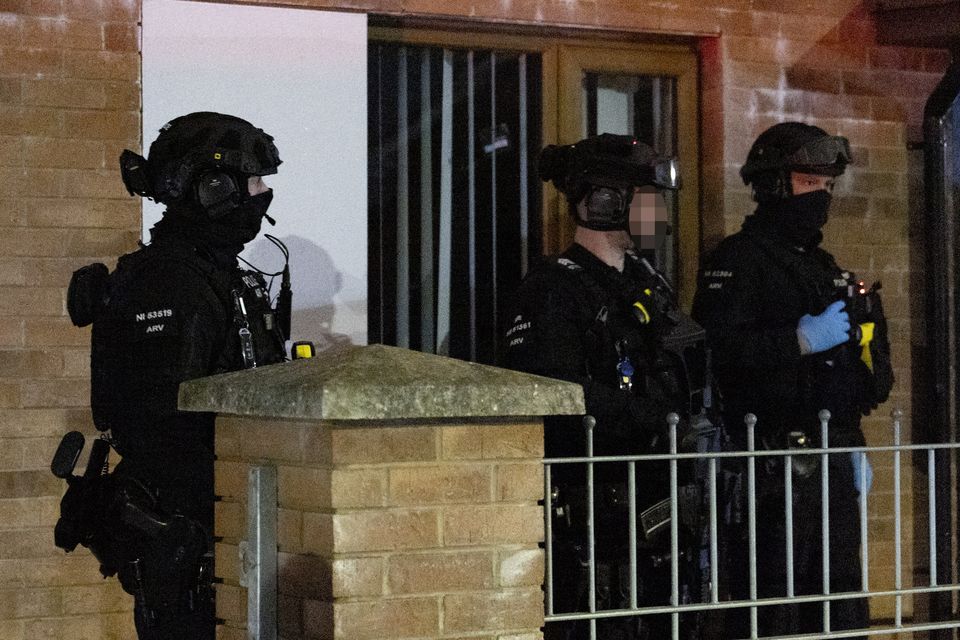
249, 215
802, 217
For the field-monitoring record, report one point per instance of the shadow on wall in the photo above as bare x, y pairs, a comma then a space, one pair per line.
315, 281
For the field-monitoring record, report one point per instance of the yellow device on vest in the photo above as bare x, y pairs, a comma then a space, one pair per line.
866, 337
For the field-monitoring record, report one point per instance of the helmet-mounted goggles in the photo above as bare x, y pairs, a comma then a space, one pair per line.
263, 163
666, 174
828, 155
614, 159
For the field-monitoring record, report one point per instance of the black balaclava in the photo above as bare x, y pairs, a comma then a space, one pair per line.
799, 219
244, 222
223, 238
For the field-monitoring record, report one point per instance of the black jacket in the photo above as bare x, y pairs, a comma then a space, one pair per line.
569, 315
752, 291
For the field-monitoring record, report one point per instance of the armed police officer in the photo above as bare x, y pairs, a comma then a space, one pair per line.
791, 334
602, 316
176, 309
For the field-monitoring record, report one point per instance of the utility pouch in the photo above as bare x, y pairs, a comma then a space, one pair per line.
88, 293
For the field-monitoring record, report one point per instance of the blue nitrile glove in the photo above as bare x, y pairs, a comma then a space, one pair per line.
825, 331
856, 458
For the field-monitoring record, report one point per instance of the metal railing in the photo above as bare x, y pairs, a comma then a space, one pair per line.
713, 598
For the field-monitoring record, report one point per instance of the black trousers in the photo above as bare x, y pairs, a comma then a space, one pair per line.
808, 549
571, 576
184, 486
188, 621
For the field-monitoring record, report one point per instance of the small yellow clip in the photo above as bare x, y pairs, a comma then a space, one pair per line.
645, 315
866, 333
866, 337
217, 156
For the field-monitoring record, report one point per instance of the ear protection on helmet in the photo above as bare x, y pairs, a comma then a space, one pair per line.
771, 186
607, 208
203, 156
218, 193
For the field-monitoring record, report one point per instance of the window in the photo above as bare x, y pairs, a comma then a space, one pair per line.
454, 203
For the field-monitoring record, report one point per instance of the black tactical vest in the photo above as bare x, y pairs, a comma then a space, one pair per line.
242, 332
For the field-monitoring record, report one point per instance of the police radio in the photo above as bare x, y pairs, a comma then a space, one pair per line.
263, 328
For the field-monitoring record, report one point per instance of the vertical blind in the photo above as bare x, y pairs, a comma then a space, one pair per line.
454, 198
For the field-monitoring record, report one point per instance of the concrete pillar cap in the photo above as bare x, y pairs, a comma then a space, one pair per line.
379, 382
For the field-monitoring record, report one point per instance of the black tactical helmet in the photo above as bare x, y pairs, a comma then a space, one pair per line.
606, 167
204, 156
792, 146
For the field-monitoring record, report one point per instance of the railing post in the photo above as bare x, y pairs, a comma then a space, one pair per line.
824, 416
897, 416
751, 422
589, 422
672, 421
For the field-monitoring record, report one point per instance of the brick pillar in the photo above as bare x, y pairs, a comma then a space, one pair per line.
421, 525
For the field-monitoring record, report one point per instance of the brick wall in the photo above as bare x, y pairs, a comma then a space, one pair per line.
69, 103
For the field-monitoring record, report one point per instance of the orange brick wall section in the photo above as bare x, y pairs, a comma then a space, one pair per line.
70, 102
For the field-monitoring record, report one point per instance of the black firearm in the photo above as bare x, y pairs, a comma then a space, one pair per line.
863, 305
869, 340
85, 505
157, 557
